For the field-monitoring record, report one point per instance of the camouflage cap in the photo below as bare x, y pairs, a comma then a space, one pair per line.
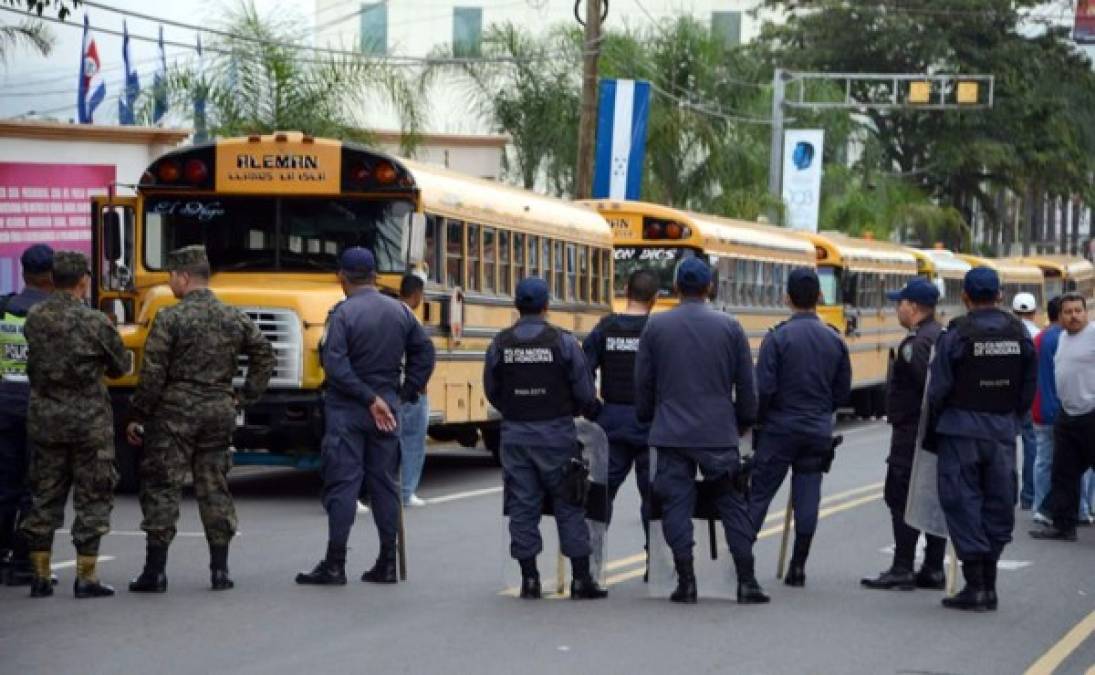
71, 264
186, 257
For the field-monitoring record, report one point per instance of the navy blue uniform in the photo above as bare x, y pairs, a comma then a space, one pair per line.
803, 376
535, 451
14, 455
367, 336
904, 398
694, 383
977, 477
611, 347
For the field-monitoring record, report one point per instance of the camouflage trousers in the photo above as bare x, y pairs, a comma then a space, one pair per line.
87, 468
172, 448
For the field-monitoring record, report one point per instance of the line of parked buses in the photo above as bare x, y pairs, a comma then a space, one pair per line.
273, 231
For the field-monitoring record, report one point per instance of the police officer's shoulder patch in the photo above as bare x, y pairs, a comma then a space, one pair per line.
907, 352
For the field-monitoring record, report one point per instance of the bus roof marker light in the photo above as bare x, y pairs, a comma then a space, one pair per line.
254, 138
168, 171
821, 252
359, 174
654, 231
308, 139
385, 173
195, 171
281, 137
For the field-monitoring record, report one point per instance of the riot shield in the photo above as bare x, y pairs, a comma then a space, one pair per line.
922, 509
594, 444
715, 576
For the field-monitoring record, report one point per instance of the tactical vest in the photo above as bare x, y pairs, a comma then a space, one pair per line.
618, 363
13, 345
988, 376
535, 382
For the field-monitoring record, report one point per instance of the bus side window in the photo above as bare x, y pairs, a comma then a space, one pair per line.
454, 254
474, 279
583, 273
572, 272
606, 275
505, 283
533, 258
435, 252
558, 269
595, 276
545, 261
490, 265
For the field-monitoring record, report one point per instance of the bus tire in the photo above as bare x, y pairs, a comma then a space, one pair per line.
878, 401
127, 460
861, 403
492, 441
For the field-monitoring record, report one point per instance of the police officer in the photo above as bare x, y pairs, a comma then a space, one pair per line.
537, 377
611, 347
186, 403
904, 398
37, 263
70, 424
367, 336
694, 384
803, 376
982, 382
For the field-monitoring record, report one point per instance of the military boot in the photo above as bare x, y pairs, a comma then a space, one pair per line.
583, 586
894, 578
686, 591
383, 570
530, 579
87, 584
7, 534
989, 572
796, 570
749, 591
153, 578
218, 568
331, 571
20, 569
40, 584
931, 579
974, 597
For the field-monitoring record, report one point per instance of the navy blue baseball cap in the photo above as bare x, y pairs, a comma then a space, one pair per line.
357, 262
693, 275
918, 290
981, 283
37, 259
803, 280
532, 294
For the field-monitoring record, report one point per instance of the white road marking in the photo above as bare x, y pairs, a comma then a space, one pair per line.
1009, 565
141, 533
72, 563
463, 495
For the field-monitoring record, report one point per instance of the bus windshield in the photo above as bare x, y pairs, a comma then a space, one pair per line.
274, 233
658, 259
830, 285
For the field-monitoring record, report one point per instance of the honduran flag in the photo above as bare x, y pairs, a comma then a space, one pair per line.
622, 114
127, 101
92, 89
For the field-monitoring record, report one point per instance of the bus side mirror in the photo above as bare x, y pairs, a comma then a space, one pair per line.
112, 235
416, 239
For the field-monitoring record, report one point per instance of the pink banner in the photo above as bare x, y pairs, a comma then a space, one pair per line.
45, 203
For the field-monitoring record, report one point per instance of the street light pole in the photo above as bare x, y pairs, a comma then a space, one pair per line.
587, 123
775, 157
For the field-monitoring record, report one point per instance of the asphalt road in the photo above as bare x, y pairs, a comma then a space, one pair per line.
453, 616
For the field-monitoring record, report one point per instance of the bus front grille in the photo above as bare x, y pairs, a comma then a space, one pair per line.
282, 328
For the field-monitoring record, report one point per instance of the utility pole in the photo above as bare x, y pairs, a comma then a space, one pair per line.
587, 123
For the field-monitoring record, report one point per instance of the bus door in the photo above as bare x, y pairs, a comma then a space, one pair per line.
114, 228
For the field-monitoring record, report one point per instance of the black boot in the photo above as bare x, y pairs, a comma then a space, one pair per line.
87, 584
218, 568
974, 597
7, 534
384, 570
582, 586
153, 578
796, 571
749, 591
41, 586
931, 579
989, 573
20, 570
331, 571
896, 577
686, 591
530, 579
1055, 533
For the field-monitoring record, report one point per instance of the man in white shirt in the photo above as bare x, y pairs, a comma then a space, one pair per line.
1074, 429
1025, 305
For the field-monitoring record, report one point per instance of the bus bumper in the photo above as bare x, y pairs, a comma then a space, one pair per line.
289, 422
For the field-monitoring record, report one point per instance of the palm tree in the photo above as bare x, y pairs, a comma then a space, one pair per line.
262, 78
26, 33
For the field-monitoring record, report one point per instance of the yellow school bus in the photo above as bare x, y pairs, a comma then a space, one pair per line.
1064, 273
274, 213
750, 261
855, 276
947, 271
1015, 277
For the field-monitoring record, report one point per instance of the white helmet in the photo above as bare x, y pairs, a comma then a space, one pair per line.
1024, 302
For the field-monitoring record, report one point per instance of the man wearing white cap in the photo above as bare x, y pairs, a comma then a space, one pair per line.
1024, 305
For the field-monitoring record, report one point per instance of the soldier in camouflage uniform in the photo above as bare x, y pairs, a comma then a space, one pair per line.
69, 424
185, 407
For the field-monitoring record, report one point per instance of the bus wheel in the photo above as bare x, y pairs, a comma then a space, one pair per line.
492, 440
878, 401
125, 457
861, 403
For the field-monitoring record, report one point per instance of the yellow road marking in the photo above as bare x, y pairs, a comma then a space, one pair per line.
1052, 659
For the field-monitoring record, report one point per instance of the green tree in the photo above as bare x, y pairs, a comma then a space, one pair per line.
63, 7
26, 33
260, 78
